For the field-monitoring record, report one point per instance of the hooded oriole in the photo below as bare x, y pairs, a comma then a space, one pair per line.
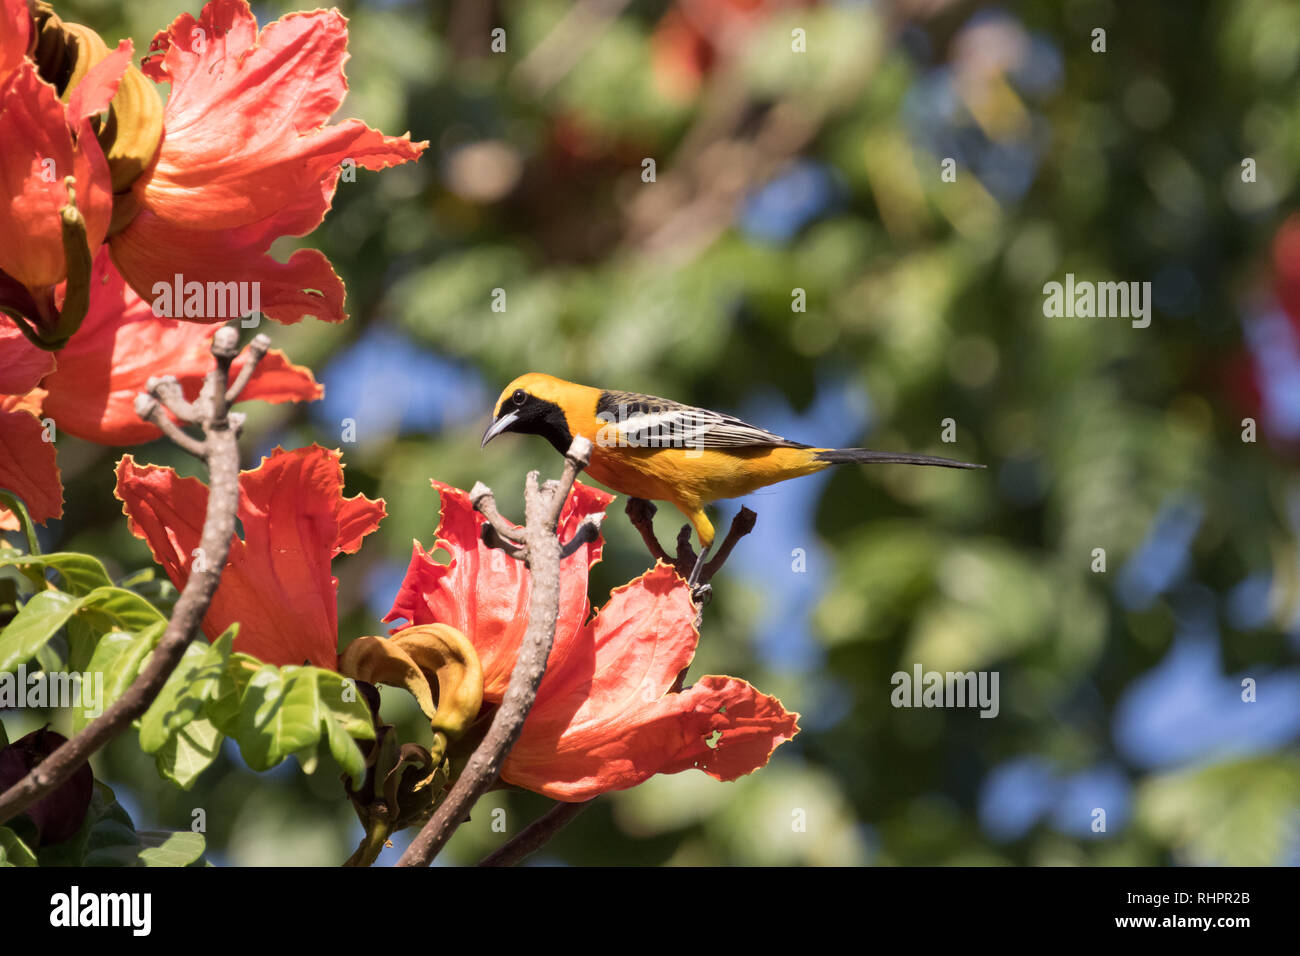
658, 449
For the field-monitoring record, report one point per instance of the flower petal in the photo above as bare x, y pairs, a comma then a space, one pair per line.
22, 365
96, 90
152, 250
122, 344
14, 37
246, 116
484, 593
604, 720
39, 152
721, 725
27, 464
628, 654
277, 581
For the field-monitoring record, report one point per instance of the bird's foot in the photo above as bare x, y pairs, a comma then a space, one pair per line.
702, 594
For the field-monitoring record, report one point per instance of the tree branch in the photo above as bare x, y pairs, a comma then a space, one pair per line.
641, 513
542, 548
220, 450
534, 836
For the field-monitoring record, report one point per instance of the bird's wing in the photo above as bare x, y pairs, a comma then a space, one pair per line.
641, 421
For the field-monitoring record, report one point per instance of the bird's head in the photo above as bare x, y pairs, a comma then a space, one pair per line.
533, 404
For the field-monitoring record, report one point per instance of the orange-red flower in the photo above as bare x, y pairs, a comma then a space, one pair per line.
15, 37
606, 716
277, 582
196, 190
122, 344
27, 465
483, 592
42, 143
88, 388
247, 156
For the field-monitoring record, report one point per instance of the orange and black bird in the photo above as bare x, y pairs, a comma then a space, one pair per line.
661, 450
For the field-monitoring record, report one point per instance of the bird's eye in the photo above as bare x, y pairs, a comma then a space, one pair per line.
519, 397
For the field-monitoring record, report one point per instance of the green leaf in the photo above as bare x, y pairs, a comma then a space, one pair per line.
278, 715
189, 752
154, 587
287, 710
187, 690
35, 623
15, 504
79, 573
46, 612
113, 608
106, 824
108, 838
50, 655
170, 847
118, 656
13, 851
223, 708
82, 641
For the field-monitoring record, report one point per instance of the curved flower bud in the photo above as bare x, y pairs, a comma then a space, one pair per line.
436, 663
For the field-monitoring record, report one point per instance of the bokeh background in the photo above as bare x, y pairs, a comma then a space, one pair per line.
820, 171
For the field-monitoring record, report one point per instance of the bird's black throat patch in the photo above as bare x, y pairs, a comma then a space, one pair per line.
540, 417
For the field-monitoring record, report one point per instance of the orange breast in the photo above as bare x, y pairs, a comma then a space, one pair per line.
693, 477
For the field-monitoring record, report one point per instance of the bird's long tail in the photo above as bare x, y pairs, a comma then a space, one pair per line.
865, 456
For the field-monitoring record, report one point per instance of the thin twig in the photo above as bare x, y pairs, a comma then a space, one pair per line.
587, 532
741, 525
167, 389
641, 513
221, 452
150, 410
480, 496
253, 354
492, 539
534, 836
542, 507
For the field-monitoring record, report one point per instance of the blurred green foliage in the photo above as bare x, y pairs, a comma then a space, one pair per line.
924, 297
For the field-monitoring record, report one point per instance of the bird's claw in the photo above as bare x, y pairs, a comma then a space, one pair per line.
702, 594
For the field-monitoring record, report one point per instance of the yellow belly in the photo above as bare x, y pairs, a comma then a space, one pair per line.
691, 479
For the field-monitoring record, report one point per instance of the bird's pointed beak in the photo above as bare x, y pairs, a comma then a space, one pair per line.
497, 427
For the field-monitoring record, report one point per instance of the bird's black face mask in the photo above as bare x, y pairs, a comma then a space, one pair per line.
527, 414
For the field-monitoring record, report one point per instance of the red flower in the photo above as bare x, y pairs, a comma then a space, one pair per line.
606, 717
483, 593
45, 142
277, 582
88, 388
122, 344
247, 156
27, 465
15, 37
